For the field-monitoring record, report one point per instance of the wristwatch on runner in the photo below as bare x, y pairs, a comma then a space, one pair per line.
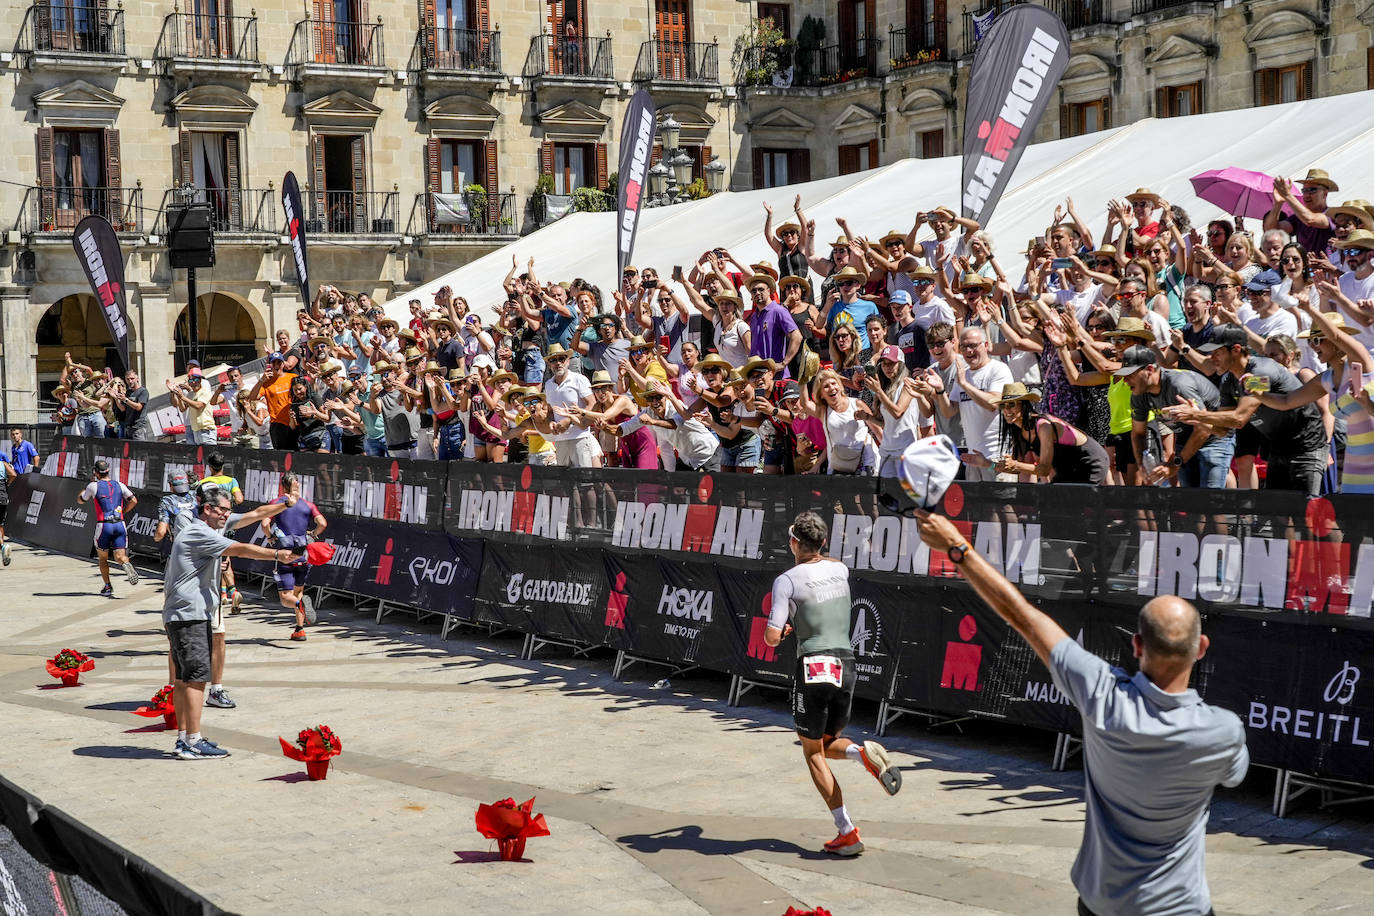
958, 552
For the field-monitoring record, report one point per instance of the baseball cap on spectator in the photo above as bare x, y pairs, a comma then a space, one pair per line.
927, 468
1136, 358
900, 297
101, 466
790, 391
275, 358
180, 483
483, 359
890, 353
1227, 335
1264, 281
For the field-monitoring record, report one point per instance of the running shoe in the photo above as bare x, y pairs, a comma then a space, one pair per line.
235, 599
309, 607
201, 750
107, 591
219, 698
5, 554
298, 634
131, 572
846, 844
876, 761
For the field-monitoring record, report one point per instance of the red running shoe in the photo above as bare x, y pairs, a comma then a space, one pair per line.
876, 761
846, 844
298, 635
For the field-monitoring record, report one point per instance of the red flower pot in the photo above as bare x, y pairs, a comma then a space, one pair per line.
512, 850
70, 678
317, 769
169, 720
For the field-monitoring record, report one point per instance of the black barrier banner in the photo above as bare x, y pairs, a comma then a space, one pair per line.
668, 610
45, 511
560, 593
430, 570
636, 145
750, 597
295, 228
97, 248
1016, 68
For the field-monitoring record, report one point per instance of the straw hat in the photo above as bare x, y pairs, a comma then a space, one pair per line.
1356, 210
970, 278
431, 366
319, 339
1315, 333
1017, 391
849, 272
734, 378
504, 375
1106, 251
514, 391
840, 242
713, 361
639, 343
456, 375
555, 350
895, 236
762, 278
804, 283
601, 379
810, 365
412, 354
381, 323
382, 366
331, 367
789, 227
1130, 326
1359, 238
764, 268
757, 362
1144, 194
444, 323
946, 212
1319, 178
921, 272
406, 334
345, 387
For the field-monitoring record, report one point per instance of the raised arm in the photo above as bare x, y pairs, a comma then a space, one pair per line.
768, 235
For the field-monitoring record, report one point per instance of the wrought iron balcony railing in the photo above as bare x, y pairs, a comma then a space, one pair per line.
354, 213
206, 37
459, 50
72, 27
678, 62
582, 58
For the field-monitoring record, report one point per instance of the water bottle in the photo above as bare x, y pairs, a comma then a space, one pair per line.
1148, 462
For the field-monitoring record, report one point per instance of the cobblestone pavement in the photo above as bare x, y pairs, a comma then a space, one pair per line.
659, 800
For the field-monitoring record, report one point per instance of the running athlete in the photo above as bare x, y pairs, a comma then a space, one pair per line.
291, 531
815, 594
227, 586
177, 509
7, 473
112, 500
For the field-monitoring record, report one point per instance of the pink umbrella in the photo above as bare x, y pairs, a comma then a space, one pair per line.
1236, 191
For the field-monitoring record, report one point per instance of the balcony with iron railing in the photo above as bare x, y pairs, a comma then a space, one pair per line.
462, 54
73, 34
1077, 14
195, 42
59, 209
678, 62
918, 44
1144, 7
354, 213
558, 58
233, 211
842, 63
339, 49
789, 67
460, 216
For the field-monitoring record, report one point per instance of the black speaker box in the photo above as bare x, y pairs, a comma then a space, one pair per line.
190, 236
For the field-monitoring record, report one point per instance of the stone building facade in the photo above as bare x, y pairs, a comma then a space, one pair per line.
419, 129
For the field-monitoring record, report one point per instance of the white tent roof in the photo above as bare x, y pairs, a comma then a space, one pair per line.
1159, 154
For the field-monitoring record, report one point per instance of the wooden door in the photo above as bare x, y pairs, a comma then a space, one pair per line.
672, 31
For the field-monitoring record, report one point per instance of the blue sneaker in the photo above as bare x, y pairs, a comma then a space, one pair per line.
201, 750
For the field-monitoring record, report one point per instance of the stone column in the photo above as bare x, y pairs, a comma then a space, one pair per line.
18, 371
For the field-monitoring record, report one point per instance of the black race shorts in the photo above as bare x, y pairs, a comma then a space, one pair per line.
190, 642
822, 709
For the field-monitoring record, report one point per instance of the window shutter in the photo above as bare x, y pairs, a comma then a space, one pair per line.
1264, 87
656, 155
802, 172
493, 189
231, 172
359, 155
1369, 68
317, 208
432, 184
849, 160
601, 174
873, 153
114, 179
184, 170
1065, 126
322, 27
546, 158
42, 26
483, 20
758, 168
1307, 80
47, 178
429, 23
1106, 112
1161, 103
705, 160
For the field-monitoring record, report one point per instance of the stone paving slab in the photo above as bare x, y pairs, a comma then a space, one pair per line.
659, 800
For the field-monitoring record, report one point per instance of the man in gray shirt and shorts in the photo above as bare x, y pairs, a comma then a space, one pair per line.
1153, 751
191, 598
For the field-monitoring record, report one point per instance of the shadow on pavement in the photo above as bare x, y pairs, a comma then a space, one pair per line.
122, 752
119, 706
690, 838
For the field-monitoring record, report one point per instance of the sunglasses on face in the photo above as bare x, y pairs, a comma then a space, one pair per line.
937, 345
1353, 252
557, 359
757, 373
972, 291
919, 283
1103, 262
1224, 286
531, 402
712, 370
1290, 259
1312, 189
849, 283
1123, 297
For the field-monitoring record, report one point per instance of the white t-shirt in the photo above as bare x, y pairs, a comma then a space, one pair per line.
1082, 302
1356, 289
1281, 322
932, 312
730, 342
982, 430
1160, 325
694, 442
572, 391
899, 432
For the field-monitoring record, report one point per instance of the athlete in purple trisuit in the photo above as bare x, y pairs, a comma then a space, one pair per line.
7, 473
292, 531
112, 500
814, 595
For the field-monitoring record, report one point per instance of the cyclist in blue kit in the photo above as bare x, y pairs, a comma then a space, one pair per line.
291, 530
112, 500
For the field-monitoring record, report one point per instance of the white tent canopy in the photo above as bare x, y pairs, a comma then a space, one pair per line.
1162, 155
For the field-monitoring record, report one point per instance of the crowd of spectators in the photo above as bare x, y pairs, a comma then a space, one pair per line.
1159, 353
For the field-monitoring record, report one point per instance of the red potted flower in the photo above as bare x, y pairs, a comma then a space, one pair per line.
160, 705
68, 665
314, 746
510, 825
818, 911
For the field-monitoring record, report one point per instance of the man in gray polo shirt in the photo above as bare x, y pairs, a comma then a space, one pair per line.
191, 596
1154, 751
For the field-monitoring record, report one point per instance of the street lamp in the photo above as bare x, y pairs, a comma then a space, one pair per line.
671, 132
715, 175
668, 179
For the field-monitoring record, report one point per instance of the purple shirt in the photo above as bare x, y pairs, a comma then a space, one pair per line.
768, 329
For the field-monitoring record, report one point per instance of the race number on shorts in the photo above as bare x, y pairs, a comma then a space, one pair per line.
822, 669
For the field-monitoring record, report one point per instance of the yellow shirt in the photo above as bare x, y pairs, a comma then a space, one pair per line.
536, 443
653, 371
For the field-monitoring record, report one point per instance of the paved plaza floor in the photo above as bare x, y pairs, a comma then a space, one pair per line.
660, 800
